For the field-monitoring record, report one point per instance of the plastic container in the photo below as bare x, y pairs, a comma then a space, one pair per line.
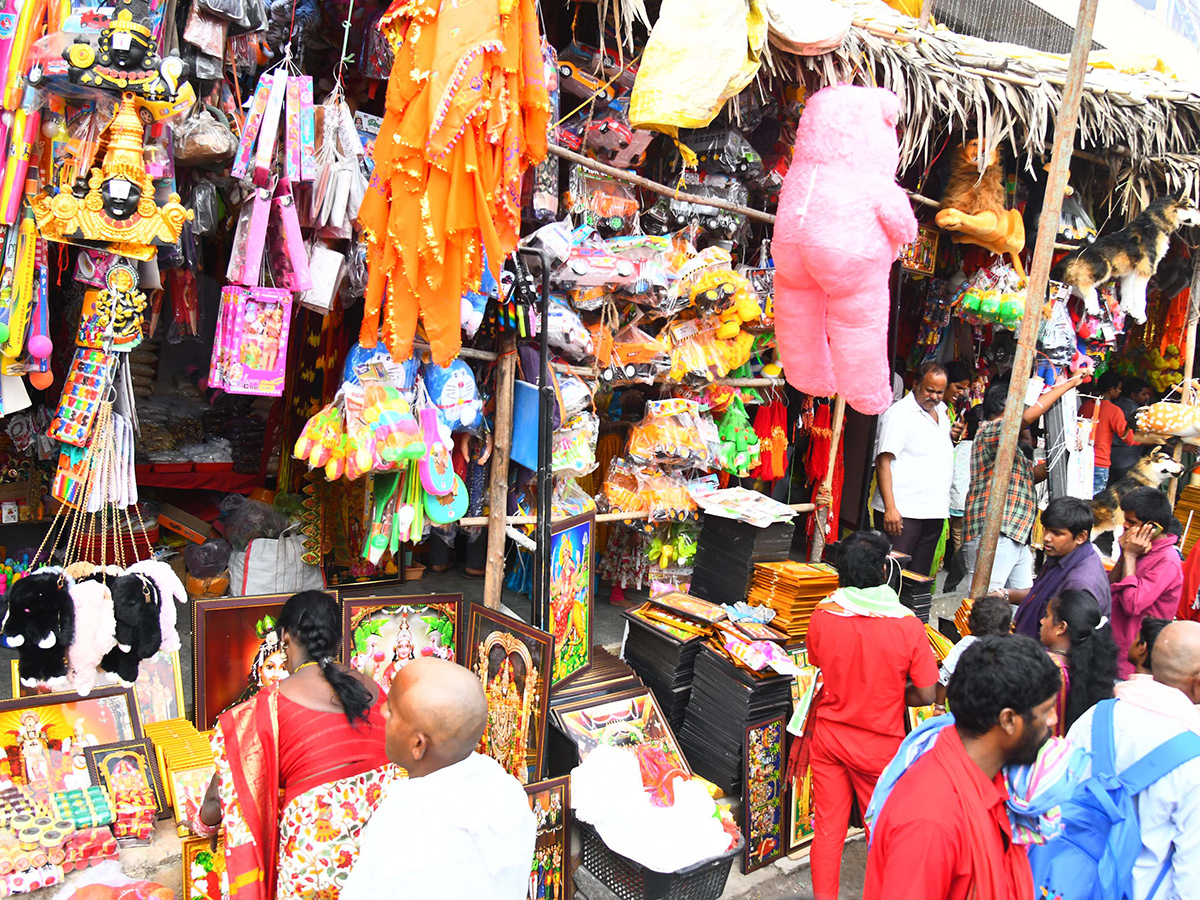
632, 881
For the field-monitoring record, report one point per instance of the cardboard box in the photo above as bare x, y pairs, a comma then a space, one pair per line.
175, 519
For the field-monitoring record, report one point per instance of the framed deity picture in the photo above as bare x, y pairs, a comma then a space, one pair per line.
204, 869
801, 809
44, 736
702, 610
765, 808
920, 257
550, 871
621, 720
127, 766
235, 652
187, 789
513, 661
158, 689
380, 635
572, 585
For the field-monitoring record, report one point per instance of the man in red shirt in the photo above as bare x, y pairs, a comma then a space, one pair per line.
874, 658
943, 831
1110, 426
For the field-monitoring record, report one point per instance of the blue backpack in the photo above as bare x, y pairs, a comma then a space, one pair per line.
1093, 858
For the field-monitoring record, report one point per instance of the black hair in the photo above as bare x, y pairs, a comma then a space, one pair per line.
1131, 386
997, 673
990, 615
1092, 659
957, 371
1150, 505
1108, 381
1069, 514
974, 418
1148, 634
861, 559
312, 619
929, 368
994, 400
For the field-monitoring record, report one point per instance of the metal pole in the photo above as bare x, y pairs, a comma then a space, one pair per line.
1039, 279
818, 542
1189, 358
540, 608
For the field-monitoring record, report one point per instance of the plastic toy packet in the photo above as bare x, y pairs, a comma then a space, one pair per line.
670, 434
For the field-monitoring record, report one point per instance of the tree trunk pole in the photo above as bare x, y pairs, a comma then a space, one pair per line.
506, 366
1039, 279
822, 512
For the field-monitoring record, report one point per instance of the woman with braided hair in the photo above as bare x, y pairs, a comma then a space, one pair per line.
301, 766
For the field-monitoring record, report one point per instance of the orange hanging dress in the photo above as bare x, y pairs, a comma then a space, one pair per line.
467, 111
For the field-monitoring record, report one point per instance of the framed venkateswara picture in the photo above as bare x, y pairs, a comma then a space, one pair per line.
127, 766
513, 662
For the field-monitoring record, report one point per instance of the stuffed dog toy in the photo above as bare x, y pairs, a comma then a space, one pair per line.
171, 591
95, 633
40, 624
137, 606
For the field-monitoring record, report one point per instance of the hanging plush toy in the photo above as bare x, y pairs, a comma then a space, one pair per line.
171, 591
455, 394
136, 603
95, 633
842, 220
40, 624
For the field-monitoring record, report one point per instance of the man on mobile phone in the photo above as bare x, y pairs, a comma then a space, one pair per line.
1148, 577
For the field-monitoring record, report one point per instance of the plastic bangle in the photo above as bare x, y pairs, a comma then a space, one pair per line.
202, 830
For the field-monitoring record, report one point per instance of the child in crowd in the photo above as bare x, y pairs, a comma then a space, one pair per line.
1140, 654
989, 615
1079, 640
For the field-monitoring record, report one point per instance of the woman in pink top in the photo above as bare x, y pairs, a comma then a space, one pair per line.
1147, 579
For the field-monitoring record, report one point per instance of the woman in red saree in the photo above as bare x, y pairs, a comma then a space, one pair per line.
300, 768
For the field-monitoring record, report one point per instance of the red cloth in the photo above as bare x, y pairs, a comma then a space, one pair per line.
944, 833
1111, 425
865, 662
1191, 585
835, 785
317, 747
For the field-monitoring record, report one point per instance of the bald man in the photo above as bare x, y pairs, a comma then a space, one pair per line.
459, 826
1148, 713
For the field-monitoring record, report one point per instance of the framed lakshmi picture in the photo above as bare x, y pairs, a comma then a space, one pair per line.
765, 808
621, 720
380, 635
550, 871
235, 652
44, 737
204, 869
513, 661
127, 766
158, 689
572, 584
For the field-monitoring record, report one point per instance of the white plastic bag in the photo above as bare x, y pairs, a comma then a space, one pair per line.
273, 566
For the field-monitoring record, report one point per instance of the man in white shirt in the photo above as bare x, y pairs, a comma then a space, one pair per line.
459, 826
1147, 714
914, 465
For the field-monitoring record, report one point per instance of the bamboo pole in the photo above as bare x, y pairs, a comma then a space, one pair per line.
493, 579
1039, 278
839, 417
1189, 358
600, 517
925, 14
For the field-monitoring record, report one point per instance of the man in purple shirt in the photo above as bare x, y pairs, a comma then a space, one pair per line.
1072, 563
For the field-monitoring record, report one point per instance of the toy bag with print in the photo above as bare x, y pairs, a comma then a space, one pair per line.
1094, 856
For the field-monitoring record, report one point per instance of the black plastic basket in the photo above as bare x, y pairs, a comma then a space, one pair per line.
632, 881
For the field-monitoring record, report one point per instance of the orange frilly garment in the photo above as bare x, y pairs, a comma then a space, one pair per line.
467, 111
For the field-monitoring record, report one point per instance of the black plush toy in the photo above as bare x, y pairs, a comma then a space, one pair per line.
40, 625
136, 603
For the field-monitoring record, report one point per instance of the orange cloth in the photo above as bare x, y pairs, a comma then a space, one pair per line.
467, 111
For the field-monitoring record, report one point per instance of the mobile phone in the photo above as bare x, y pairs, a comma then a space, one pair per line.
1155, 530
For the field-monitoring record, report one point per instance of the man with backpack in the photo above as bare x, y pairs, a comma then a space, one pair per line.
943, 831
1135, 836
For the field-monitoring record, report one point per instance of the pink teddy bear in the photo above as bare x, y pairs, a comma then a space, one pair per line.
842, 220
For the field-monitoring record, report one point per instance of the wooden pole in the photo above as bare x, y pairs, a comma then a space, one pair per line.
506, 367
1039, 279
822, 513
1189, 358
925, 14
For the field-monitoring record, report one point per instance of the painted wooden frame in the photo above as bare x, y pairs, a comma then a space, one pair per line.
203, 868
764, 816
143, 689
100, 761
496, 642
569, 614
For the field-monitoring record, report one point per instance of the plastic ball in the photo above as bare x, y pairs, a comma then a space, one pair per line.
41, 380
40, 346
